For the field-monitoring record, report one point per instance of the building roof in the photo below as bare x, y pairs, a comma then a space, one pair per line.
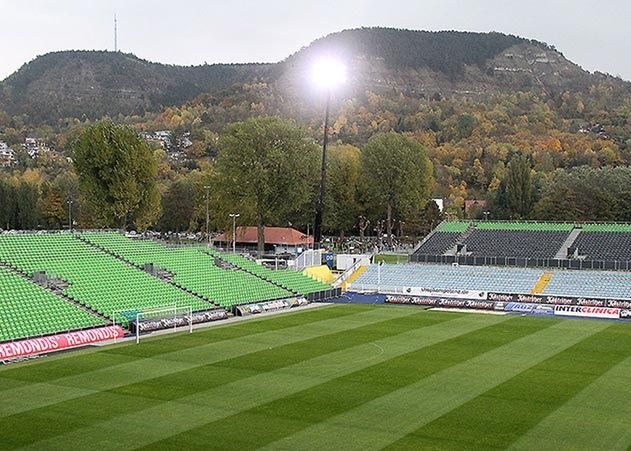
273, 235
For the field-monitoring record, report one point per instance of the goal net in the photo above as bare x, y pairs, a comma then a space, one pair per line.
168, 317
163, 318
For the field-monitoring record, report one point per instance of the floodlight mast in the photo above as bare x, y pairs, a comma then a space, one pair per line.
328, 73
207, 188
234, 217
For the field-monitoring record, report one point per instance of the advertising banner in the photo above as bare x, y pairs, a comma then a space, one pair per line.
58, 342
519, 307
449, 294
543, 310
270, 306
440, 302
625, 314
509, 304
558, 300
411, 300
618, 304
168, 322
587, 312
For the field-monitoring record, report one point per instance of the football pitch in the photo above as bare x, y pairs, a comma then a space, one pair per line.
336, 377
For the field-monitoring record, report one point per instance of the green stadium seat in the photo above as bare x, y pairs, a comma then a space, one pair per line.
193, 269
28, 310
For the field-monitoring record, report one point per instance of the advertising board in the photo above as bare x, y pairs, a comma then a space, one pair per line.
51, 343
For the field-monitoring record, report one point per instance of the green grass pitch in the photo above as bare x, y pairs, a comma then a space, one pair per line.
333, 378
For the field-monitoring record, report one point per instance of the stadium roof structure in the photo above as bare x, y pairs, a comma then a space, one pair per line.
287, 236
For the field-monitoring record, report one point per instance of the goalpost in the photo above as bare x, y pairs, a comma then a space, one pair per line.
163, 318
175, 314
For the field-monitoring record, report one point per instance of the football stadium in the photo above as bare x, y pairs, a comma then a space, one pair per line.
364, 226
496, 335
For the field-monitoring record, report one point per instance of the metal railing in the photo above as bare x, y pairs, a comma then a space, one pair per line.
522, 262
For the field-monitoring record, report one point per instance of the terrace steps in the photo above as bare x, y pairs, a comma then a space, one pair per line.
542, 283
562, 253
244, 269
353, 277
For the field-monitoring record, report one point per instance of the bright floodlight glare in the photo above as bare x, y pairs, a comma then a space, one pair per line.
328, 73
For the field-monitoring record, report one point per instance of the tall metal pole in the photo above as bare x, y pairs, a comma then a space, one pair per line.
234, 217
317, 225
69, 215
207, 188
115, 34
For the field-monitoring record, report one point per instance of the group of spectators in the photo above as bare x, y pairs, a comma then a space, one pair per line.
355, 245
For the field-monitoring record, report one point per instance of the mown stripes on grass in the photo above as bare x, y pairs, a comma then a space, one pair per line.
73, 386
595, 418
192, 380
292, 413
496, 418
376, 377
202, 378
168, 418
57, 367
385, 419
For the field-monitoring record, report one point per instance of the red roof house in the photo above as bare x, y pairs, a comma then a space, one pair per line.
278, 236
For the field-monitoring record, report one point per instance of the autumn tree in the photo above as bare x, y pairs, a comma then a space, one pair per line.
27, 196
342, 205
117, 175
177, 206
519, 186
52, 206
8, 206
265, 171
430, 217
399, 176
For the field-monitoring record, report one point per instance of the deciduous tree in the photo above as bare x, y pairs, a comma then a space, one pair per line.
519, 187
399, 176
117, 175
266, 167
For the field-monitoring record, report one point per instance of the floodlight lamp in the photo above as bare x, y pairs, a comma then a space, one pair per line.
328, 73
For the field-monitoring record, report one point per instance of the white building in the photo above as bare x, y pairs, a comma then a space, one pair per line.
34, 147
7, 155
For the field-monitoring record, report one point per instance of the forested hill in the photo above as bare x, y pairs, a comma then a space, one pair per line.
421, 64
445, 64
442, 51
97, 83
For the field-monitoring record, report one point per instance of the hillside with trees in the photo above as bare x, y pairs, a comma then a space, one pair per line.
420, 64
513, 124
92, 84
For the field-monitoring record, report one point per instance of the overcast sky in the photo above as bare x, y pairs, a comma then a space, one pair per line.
594, 34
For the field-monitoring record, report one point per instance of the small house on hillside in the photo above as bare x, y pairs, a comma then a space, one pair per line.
7, 156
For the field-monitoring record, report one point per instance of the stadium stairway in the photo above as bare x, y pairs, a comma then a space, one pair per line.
465, 235
57, 292
358, 272
321, 273
453, 232
542, 283
128, 263
562, 253
295, 290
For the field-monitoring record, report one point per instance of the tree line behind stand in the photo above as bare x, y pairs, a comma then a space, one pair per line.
266, 169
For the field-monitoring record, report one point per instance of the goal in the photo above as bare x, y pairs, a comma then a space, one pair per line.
168, 317
163, 318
